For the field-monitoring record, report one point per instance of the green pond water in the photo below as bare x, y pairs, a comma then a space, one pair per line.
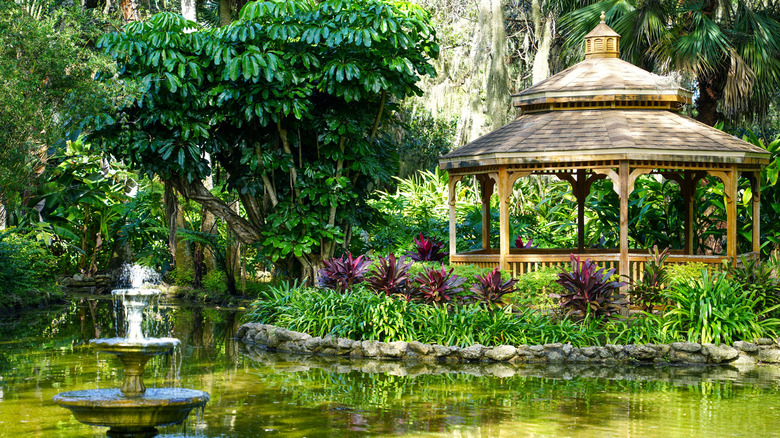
257, 393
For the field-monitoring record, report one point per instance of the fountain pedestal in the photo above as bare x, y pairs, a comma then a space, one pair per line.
133, 410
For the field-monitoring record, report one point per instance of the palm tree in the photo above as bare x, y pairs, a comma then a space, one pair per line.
730, 47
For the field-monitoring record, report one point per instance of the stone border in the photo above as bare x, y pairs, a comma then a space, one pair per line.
763, 351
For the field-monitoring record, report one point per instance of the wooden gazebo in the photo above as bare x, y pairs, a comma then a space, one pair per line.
601, 118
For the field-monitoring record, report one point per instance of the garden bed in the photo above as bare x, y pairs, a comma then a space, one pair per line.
762, 351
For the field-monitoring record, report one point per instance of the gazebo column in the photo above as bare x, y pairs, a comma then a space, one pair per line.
453, 181
580, 188
623, 175
486, 185
729, 178
755, 189
505, 181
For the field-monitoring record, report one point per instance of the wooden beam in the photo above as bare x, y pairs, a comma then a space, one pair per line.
453, 181
486, 185
755, 188
503, 215
729, 178
624, 181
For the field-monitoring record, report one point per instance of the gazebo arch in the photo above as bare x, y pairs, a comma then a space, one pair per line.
602, 118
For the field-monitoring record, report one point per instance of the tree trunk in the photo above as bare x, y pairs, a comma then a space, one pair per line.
543, 33
129, 11
189, 10
3, 217
226, 12
707, 102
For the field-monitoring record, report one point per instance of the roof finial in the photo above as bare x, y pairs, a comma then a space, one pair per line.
603, 17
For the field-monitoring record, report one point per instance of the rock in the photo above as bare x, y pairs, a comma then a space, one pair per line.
769, 355
720, 353
641, 352
312, 344
764, 341
501, 353
744, 359
289, 335
747, 347
370, 348
567, 349
605, 352
536, 348
687, 347
554, 356
78, 277
420, 348
329, 341
393, 349
440, 350
242, 331
473, 352
686, 357
260, 338
589, 351
344, 343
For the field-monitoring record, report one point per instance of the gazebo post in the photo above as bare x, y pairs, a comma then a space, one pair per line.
486, 191
755, 187
730, 189
453, 181
688, 190
581, 192
503, 215
623, 175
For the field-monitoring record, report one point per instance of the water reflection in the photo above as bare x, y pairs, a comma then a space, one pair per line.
255, 392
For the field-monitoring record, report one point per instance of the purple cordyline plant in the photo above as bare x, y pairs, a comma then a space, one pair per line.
438, 285
427, 250
491, 290
342, 273
391, 276
589, 289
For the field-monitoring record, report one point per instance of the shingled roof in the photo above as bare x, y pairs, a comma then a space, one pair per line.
603, 108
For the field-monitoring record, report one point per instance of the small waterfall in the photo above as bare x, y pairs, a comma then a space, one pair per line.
136, 276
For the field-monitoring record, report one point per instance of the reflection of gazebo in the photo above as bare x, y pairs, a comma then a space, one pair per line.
601, 118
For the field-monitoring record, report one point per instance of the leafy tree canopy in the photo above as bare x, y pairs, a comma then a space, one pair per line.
288, 100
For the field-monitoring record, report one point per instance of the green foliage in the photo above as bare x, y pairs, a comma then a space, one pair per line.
491, 290
756, 279
534, 289
715, 309
215, 281
366, 315
679, 273
423, 140
644, 328
288, 100
647, 291
26, 277
182, 276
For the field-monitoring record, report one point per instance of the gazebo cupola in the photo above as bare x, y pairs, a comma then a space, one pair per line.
601, 118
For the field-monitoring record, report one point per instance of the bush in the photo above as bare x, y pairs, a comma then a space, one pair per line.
215, 281
715, 309
679, 273
647, 291
342, 274
534, 289
182, 277
755, 277
491, 289
588, 289
26, 277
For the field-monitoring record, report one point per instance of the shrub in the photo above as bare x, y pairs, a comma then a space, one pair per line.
182, 276
679, 273
588, 289
26, 277
390, 276
647, 290
341, 274
427, 250
715, 309
534, 289
491, 289
755, 278
437, 285
215, 281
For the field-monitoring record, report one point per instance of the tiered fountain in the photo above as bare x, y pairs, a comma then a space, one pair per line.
133, 410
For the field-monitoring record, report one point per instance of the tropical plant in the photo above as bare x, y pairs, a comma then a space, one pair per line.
390, 276
589, 289
342, 273
519, 243
301, 97
679, 273
26, 276
755, 278
647, 290
435, 286
491, 290
729, 47
427, 250
715, 309
534, 289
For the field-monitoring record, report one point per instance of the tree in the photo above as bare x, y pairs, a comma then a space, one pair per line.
731, 48
288, 100
46, 69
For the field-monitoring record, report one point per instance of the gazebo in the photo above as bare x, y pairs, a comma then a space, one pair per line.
602, 118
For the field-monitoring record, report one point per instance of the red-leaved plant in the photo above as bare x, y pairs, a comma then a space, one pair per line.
525, 245
589, 289
391, 276
438, 285
427, 250
491, 290
342, 273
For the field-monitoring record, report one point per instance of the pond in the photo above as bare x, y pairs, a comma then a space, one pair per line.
254, 392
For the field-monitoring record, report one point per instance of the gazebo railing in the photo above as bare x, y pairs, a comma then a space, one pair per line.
523, 261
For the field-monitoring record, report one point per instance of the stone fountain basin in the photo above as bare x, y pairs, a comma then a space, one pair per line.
144, 346
109, 408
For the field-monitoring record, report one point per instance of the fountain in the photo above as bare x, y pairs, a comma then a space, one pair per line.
133, 410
